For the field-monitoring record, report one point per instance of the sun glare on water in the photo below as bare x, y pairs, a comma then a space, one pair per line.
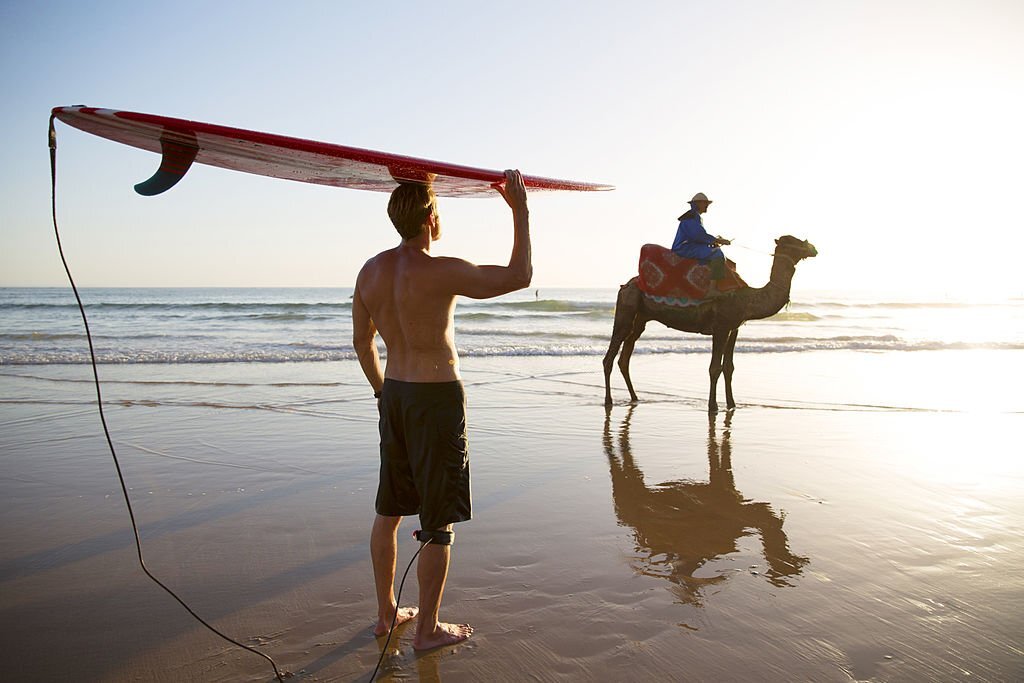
984, 324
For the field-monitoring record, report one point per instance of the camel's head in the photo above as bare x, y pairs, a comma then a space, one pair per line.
794, 248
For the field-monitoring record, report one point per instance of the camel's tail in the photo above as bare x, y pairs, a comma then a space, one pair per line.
629, 295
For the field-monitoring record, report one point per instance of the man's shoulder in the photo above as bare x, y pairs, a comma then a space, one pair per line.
418, 266
448, 261
690, 215
375, 266
430, 266
380, 259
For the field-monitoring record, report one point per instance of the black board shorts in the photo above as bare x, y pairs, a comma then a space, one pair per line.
424, 453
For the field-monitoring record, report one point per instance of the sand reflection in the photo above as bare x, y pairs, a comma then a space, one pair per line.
682, 527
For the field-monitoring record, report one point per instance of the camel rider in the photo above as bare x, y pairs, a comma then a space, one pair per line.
692, 241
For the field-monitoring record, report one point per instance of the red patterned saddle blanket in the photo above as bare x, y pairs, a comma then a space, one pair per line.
666, 276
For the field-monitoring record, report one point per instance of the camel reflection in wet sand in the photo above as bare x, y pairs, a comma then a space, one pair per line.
681, 526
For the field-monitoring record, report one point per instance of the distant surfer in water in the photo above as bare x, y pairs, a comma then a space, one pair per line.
408, 296
693, 241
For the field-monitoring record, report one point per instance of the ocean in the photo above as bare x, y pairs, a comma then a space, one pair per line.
42, 326
855, 518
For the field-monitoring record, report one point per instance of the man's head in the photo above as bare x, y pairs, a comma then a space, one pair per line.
700, 202
413, 209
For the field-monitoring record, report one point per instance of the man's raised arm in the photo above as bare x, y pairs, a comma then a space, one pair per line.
484, 282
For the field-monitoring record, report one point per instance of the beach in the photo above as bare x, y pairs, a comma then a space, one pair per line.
857, 517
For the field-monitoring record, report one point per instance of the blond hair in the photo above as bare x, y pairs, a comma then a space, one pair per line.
409, 207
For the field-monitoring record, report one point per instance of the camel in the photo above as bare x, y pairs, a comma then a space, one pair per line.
720, 317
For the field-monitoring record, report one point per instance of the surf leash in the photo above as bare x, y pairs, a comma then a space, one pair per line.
106, 431
398, 606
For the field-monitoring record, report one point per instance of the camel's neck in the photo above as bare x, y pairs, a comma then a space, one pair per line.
774, 295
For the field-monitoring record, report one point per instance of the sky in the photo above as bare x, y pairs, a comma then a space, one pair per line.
888, 133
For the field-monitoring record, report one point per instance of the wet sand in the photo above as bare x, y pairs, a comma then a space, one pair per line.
858, 517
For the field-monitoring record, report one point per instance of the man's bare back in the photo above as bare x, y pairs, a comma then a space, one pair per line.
412, 309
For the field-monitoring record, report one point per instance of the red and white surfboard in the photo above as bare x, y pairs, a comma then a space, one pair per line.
181, 142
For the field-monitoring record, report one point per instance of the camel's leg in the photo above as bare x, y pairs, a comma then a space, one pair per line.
609, 361
623, 326
627, 305
627, 352
727, 367
718, 342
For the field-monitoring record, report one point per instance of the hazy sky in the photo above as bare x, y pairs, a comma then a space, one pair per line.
888, 133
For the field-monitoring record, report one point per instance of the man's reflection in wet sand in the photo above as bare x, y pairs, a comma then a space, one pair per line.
680, 526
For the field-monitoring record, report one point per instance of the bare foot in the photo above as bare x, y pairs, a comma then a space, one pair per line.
444, 634
404, 615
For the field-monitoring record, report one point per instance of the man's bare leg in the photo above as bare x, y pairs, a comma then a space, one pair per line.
432, 572
384, 553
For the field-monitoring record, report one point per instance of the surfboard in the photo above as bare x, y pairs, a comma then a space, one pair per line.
181, 142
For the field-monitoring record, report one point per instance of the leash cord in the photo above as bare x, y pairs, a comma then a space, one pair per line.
103, 420
398, 602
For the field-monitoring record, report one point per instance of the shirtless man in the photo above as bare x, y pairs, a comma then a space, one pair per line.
409, 297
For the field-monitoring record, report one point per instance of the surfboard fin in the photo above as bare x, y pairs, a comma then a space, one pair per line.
178, 151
